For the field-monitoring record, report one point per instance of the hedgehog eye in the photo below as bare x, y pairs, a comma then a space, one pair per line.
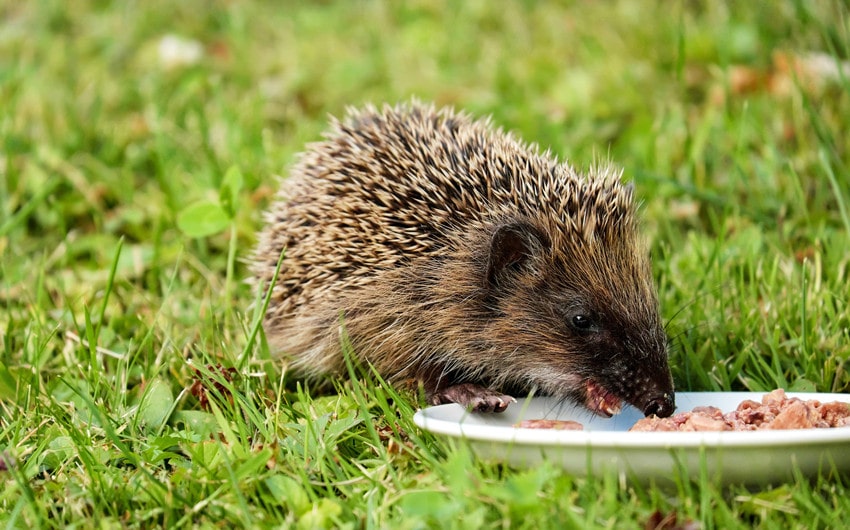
583, 322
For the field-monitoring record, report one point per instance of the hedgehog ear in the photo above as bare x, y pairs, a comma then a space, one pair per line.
511, 247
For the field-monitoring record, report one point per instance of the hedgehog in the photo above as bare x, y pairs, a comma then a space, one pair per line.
444, 251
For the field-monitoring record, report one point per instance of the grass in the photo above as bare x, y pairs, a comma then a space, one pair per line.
134, 388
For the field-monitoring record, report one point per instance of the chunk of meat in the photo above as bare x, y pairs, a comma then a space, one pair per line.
562, 425
776, 411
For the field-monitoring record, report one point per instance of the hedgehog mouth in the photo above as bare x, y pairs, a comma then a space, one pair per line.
599, 400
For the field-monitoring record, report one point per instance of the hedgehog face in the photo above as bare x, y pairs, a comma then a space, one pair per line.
585, 335
621, 356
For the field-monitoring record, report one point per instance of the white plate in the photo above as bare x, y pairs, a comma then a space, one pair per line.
731, 457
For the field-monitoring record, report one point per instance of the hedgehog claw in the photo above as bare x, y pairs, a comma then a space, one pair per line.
476, 398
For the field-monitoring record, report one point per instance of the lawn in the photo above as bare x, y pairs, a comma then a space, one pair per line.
142, 140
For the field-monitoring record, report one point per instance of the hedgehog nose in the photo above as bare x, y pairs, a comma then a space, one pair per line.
662, 406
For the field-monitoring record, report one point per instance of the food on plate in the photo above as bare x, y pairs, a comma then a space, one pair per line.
776, 411
561, 425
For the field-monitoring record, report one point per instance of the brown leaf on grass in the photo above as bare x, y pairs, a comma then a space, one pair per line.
201, 387
739, 80
659, 521
263, 192
386, 434
805, 254
746, 79
812, 70
219, 49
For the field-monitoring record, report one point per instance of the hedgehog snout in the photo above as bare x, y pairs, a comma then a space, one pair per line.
661, 405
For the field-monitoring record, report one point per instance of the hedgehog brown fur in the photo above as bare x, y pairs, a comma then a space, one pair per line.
462, 258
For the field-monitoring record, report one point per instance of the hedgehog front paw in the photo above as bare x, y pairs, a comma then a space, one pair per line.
474, 397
